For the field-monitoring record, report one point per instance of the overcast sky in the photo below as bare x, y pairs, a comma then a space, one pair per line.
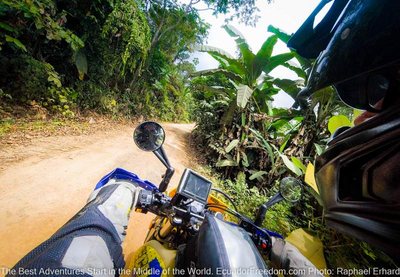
287, 15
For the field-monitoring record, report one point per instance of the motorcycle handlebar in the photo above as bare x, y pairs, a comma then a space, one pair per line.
159, 204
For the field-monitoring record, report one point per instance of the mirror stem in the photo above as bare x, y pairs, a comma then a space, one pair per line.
263, 209
160, 153
165, 156
167, 178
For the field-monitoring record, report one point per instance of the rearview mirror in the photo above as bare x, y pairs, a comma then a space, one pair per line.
291, 189
149, 136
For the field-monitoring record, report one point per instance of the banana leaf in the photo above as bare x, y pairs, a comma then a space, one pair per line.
247, 55
264, 54
229, 74
284, 37
276, 61
243, 95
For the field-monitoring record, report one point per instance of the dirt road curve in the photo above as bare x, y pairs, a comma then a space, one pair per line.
47, 182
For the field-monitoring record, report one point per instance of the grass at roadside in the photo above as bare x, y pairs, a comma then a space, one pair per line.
11, 125
19, 125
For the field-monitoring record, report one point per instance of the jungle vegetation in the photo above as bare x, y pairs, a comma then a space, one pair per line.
130, 58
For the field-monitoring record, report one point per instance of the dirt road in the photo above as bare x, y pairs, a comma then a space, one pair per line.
44, 184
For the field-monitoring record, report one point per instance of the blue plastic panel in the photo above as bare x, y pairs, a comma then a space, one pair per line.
123, 174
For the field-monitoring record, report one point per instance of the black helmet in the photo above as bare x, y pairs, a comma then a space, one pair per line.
354, 43
357, 46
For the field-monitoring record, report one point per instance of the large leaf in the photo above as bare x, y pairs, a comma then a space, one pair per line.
336, 122
243, 95
257, 175
306, 64
223, 63
231, 145
227, 118
214, 50
279, 123
290, 165
279, 33
299, 164
226, 60
225, 163
243, 46
229, 74
81, 63
298, 70
231, 64
285, 37
16, 42
263, 55
233, 32
266, 49
264, 143
291, 87
276, 61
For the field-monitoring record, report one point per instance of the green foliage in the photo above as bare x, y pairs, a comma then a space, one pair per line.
247, 200
41, 84
337, 121
35, 16
244, 10
249, 66
81, 64
243, 95
128, 32
340, 250
237, 99
174, 96
246, 140
111, 56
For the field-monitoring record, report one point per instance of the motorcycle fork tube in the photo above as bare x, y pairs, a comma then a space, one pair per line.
165, 229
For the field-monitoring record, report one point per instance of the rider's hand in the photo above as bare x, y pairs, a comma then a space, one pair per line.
115, 201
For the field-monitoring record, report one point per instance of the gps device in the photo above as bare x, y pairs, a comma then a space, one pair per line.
194, 186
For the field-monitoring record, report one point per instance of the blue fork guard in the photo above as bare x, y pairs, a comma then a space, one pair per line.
123, 174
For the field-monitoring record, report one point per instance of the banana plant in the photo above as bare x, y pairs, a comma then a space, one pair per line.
245, 71
247, 101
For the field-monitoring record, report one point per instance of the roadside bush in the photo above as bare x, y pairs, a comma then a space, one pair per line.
38, 81
247, 200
